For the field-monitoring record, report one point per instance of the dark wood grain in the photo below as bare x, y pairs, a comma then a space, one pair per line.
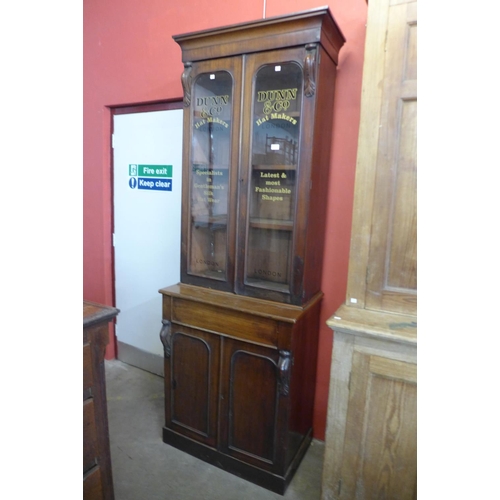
250, 401
97, 474
240, 364
311, 40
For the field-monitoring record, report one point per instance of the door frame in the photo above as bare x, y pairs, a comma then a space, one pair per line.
126, 109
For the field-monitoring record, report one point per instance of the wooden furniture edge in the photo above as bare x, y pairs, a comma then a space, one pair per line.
238, 39
260, 307
400, 328
316, 11
95, 313
368, 138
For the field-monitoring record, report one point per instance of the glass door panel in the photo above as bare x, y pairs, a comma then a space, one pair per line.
210, 159
277, 104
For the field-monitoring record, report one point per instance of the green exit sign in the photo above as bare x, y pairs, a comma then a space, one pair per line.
150, 170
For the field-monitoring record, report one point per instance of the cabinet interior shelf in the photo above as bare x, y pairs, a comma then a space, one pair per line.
280, 225
274, 167
212, 167
294, 114
213, 222
197, 114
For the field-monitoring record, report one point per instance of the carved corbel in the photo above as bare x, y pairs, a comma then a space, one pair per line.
186, 83
284, 372
310, 70
166, 336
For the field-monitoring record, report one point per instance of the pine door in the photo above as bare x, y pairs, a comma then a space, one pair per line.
383, 272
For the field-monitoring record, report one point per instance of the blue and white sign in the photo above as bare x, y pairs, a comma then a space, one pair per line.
155, 184
150, 177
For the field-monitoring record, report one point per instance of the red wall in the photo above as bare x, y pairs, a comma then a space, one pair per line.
129, 57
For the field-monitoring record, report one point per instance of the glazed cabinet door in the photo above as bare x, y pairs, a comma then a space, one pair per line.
210, 159
191, 382
254, 397
275, 167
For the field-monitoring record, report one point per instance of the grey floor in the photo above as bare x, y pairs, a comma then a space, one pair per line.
145, 468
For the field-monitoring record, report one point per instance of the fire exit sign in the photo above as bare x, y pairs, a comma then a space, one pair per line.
150, 170
150, 177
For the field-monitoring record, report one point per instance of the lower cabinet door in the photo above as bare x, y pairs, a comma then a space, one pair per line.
380, 448
253, 404
192, 383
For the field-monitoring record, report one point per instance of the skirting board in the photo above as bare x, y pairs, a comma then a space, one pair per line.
134, 356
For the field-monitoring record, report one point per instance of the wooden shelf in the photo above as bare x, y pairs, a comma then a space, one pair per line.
293, 114
277, 225
274, 167
197, 114
211, 167
215, 221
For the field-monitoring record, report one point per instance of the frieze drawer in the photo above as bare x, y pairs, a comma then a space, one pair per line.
223, 321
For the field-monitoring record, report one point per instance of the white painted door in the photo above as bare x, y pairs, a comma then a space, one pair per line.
147, 157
